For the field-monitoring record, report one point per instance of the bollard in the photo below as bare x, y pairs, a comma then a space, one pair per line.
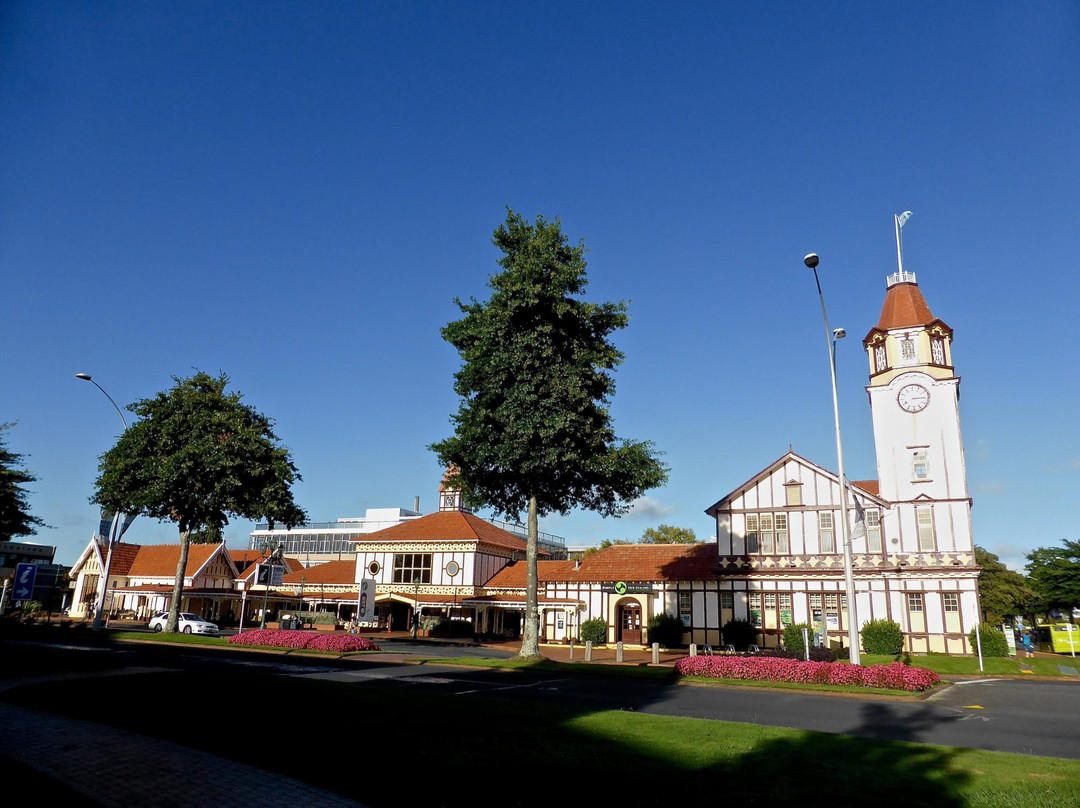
618, 651
693, 649
571, 650
656, 653
588, 650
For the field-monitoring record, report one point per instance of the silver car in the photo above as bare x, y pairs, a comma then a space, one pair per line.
187, 623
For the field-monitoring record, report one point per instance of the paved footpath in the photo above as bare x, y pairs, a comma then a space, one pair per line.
122, 769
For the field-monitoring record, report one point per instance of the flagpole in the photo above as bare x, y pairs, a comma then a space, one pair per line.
899, 256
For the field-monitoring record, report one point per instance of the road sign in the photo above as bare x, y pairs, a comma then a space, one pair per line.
25, 575
269, 574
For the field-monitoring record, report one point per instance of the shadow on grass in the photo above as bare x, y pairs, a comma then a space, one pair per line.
401, 745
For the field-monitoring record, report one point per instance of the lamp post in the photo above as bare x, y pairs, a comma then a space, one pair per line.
118, 518
831, 336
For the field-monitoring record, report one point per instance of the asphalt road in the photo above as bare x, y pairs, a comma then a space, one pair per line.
1024, 716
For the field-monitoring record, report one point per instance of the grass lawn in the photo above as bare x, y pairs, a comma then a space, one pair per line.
402, 747
946, 665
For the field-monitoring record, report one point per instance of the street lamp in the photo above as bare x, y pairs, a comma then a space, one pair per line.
831, 336
118, 518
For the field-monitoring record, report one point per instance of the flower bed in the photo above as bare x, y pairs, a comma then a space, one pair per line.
278, 638
896, 676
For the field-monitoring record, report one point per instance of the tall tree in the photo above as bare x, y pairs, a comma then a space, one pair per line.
533, 431
15, 516
198, 456
668, 534
1002, 592
1055, 575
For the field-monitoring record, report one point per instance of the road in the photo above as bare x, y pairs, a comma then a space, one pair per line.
1024, 716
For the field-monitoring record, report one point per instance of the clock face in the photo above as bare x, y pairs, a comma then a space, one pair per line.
913, 397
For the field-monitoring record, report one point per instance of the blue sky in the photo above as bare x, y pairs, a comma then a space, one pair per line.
294, 193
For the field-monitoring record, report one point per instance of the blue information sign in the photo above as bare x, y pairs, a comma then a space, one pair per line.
25, 574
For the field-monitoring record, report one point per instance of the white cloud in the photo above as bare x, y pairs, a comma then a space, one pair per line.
650, 508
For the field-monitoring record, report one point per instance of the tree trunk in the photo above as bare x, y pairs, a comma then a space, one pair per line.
530, 635
178, 585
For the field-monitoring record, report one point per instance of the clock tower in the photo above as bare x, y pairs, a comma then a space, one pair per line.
914, 399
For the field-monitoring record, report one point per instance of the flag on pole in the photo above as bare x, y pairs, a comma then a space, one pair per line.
903, 217
859, 530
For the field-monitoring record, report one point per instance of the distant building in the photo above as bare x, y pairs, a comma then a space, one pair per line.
13, 553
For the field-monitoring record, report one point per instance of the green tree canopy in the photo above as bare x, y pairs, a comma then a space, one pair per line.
15, 516
533, 431
667, 534
197, 457
1003, 593
1055, 575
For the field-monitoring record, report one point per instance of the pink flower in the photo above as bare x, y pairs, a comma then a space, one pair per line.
300, 640
896, 676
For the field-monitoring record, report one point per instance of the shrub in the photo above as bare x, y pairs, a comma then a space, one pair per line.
594, 631
278, 638
882, 637
666, 629
994, 643
817, 654
740, 633
793, 638
895, 676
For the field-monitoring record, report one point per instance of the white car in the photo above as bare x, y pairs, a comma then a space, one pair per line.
187, 623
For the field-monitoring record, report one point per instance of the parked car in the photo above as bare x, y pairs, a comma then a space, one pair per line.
187, 623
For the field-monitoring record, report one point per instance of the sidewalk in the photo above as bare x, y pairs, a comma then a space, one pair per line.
120, 769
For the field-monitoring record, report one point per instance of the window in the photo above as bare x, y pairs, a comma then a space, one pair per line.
920, 469
815, 609
793, 493
727, 600
767, 533
916, 616
751, 533
412, 568
785, 609
925, 519
937, 351
755, 609
767, 536
873, 530
781, 534
826, 532
951, 603
880, 362
685, 607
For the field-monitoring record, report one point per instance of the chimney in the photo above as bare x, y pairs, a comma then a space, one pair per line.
416, 503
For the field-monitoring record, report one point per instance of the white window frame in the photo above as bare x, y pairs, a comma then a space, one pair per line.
873, 529
920, 465
924, 521
826, 532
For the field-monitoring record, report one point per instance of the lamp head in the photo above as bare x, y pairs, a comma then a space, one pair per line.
838, 333
84, 376
811, 261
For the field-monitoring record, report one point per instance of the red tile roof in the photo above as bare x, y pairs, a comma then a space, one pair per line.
620, 562
123, 557
447, 526
904, 306
870, 486
332, 572
157, 560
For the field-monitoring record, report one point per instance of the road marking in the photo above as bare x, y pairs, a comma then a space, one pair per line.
972, 707
978, 681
